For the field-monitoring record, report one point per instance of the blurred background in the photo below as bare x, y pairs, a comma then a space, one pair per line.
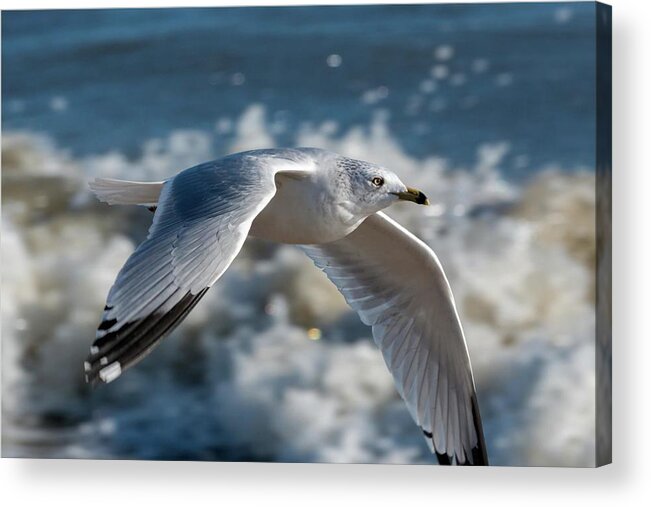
489, 109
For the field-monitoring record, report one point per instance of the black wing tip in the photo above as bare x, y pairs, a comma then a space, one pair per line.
478, 459
479, 452
443, 459
478, 455
115, 351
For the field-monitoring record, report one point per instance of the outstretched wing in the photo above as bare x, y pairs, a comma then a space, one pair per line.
397, 285
204, 215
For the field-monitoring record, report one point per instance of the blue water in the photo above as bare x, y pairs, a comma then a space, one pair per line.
101, 80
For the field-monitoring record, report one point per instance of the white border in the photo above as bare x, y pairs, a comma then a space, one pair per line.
627, 482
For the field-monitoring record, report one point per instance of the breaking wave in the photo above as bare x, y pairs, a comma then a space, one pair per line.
243, 379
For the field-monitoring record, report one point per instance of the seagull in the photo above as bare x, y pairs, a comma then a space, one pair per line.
330, 207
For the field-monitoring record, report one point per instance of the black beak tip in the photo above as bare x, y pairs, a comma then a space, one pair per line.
422, 199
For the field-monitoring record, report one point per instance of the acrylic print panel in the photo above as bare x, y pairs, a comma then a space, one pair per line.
498, 113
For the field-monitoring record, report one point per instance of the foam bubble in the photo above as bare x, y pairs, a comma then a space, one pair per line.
334, 60
58, 104
238, 79
444, 52
563, 15
440, 71
375, 95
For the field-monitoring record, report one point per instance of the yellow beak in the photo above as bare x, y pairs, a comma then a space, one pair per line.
413, 195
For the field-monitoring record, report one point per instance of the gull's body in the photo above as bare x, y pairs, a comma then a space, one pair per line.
303, 211
330, 206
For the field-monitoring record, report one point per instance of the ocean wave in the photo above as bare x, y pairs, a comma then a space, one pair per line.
240, 379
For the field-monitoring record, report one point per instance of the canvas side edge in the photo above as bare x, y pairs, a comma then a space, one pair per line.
603, 358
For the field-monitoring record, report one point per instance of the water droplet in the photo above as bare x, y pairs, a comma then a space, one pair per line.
440, 71
238, 79
58, 104
334, 60
444, 52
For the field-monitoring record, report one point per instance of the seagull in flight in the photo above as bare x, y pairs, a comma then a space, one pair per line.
330, 206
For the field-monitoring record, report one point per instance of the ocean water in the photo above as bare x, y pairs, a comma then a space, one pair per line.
451, 77
488, 109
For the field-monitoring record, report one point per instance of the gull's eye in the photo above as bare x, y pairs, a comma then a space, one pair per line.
377, 181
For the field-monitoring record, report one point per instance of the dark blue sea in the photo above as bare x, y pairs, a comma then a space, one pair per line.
450, 77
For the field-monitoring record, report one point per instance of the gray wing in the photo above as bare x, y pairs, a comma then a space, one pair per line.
397, 285
203, 217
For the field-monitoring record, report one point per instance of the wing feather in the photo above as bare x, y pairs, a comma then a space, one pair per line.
202, 218
397, 286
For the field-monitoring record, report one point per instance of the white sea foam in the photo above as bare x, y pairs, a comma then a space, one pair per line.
241, 379
375, 95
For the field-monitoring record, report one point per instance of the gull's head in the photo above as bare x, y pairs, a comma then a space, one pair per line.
372, 188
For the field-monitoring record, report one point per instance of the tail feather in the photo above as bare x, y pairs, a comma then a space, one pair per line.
127, 192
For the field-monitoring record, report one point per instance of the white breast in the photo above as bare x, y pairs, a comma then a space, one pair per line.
301, 213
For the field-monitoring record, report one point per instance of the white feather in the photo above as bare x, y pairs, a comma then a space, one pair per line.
397, 285
127, 192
